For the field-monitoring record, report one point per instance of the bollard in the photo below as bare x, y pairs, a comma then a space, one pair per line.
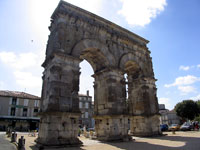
14, 137
173, 131
21, 143
9, 132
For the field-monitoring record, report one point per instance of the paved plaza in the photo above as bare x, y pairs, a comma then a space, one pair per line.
5, 143
179, 141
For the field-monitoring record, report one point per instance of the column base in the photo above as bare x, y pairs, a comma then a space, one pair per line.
144, 126
58, 129
112, 128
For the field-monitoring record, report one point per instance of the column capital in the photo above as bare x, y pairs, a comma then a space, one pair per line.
61, 57
110, 71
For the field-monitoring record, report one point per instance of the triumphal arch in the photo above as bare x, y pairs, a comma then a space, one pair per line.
112, 51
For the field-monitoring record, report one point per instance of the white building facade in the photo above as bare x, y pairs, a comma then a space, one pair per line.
18, 110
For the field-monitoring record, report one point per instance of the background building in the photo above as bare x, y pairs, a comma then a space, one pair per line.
163, 114
19, 110
173, 118
168, 117
86, 108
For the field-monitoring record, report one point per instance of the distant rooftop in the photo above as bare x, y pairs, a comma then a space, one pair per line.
18, 95
84, 95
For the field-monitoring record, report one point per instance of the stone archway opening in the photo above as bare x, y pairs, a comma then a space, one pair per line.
131, 72
86, 79
86, 95
109, 97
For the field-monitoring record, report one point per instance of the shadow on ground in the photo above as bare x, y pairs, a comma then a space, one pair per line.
51, 148
161, 143
169, 142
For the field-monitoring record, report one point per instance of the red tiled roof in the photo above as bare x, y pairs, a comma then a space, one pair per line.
18, 95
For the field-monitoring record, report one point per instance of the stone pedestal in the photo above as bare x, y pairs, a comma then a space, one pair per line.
112, 128
58, 129
145, 126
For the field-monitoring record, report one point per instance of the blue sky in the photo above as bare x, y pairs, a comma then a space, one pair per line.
172, 27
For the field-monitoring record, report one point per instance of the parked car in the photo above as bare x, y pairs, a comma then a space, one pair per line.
186, 127
163, 127
174, 127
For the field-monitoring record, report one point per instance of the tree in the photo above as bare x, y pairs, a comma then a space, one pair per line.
198, 103
197, 118
187, 109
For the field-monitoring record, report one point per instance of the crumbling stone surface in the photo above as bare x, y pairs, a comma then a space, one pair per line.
112, 127
112, 51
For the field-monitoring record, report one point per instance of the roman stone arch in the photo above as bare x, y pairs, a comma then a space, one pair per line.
112, 51
95, 52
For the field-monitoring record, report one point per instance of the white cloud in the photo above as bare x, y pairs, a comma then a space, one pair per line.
27, 79
186, 89
184, 68
198, 66
26, 68
185, 80
166, 101
21, 61
141, 12
196, 97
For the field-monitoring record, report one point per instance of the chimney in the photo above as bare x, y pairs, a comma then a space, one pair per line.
87, 92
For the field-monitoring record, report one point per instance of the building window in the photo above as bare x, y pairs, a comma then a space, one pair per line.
25, 112
25, 102
83, 104
86, 105
14, 101
12, 112
82, 116
35, 110
86, 114
36, 103
80, 104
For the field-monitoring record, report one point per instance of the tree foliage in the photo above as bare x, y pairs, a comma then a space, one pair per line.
187, 109
198, 103
197, 118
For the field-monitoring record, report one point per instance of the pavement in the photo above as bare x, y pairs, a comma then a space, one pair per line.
189, 140
5, 143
